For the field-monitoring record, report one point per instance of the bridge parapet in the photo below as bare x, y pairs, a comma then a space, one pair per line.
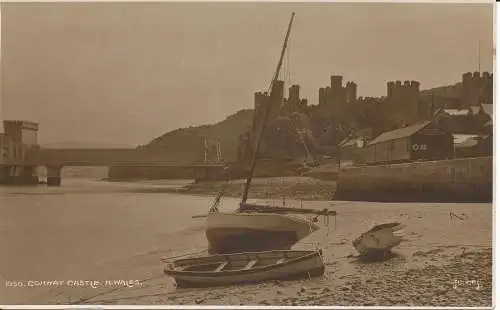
108, 157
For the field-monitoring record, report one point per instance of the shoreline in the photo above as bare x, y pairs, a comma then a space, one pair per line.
301, 188
293, 188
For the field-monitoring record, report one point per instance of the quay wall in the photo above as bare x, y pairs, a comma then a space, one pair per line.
455, 180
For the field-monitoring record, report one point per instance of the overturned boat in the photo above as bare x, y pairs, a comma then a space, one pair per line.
245, 268
379, 240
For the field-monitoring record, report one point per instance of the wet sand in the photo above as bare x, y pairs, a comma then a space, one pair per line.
445, 261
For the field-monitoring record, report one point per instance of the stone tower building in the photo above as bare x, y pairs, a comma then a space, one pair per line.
332, 99
476, 89
261, 102
403, 104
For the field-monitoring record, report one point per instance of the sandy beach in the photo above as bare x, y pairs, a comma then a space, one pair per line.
444, 261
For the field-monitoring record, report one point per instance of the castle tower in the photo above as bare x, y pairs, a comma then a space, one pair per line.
292, 104
278, 90
322, 96
403, 101
466, 95
336, 82
350, 90
277, 101
294, 93
476, 89
488, 87
415, 112
261, 100
390, 89
337, 92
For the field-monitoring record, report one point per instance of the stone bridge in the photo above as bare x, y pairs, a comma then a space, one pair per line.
55, 159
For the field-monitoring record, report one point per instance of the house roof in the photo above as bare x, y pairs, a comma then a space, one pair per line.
475, 110
456, 112
461, 138
399, 133
488, 109
343, 141
469, 142
355, 142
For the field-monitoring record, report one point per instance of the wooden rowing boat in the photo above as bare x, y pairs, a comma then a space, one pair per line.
245, 268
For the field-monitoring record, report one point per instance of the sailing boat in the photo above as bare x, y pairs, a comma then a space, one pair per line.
255, 227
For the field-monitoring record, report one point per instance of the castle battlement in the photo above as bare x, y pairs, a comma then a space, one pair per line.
476, 76
395, 87
476, 88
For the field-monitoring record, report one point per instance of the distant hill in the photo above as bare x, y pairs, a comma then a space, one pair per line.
450, 91
188, 142
87, 145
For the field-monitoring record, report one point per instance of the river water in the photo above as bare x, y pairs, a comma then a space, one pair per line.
63, 233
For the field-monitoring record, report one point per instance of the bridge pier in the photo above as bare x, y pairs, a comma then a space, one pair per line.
28, 175
18, 175
54, 175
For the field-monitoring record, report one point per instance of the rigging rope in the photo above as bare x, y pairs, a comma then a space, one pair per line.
287, 72
215, 206
300, 132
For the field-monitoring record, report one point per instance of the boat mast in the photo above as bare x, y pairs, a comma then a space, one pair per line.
268, 108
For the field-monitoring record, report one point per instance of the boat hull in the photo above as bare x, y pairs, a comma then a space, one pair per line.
308, 266
234, 240
374, 243
244, 232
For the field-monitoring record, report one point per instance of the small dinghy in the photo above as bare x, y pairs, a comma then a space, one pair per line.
241, 268
380, 239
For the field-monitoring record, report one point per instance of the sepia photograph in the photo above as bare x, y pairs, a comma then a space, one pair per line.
247, 153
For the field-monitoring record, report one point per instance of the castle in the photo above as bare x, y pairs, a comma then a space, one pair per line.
340, 112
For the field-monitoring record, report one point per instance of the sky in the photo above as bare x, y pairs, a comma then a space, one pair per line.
125, 73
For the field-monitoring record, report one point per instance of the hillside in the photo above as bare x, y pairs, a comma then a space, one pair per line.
189, 141
86, 145
450, 91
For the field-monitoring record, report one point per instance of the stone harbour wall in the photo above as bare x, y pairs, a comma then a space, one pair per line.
466, 179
